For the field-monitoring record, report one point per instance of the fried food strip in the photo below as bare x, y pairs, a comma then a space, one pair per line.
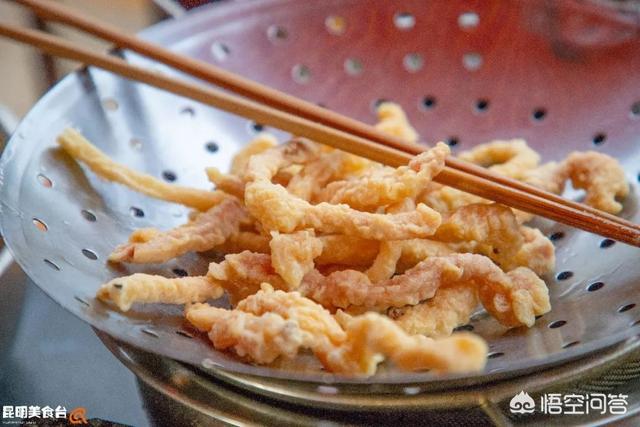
511, 158
230, 184
271, 324
520, 303
345, 288
347, 250
446, 199
338, 249
417, 250
384, 266
450, 307
206, 231
265, 165
310, 316
393, 121
242, 274
261, 143
292, 255
277, 210
601, 176
514, 298
147, 288
537, 253
261, 339
525, 298
372, 337
492, 228
549, 176
245, 241
83, 151
383, 186
318, 173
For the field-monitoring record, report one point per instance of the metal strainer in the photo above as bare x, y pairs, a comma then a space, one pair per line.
558, 74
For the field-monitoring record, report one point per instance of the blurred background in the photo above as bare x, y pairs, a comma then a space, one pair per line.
26, 74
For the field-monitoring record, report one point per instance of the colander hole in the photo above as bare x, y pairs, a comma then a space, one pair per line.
452, 141
110, 104
635, 110
595, 286
135, 143
472, 61
556, 236
40, 224
557, 324
428, 102
336, 25
180, 272
636, 323
467, 328
88, 215
539, 114
211, 147
327, 389
599, 138
277, 34
256, 127
169, 176
375, 104
81, 301
570, 344
482, 105
52, 264
564, 275
90, 254
301, 74
404, 20
413, 62
44, 181
353, 66
150, 333
188, 111
495, 354
184, 333
626, 307
136, 212
607, 243
468, 20
220, 51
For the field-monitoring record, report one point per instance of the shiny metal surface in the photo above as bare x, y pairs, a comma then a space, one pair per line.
155, 132
178, 394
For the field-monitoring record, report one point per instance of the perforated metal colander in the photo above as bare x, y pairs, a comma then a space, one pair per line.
559, 74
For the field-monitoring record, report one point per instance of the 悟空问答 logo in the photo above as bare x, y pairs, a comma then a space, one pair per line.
522, 403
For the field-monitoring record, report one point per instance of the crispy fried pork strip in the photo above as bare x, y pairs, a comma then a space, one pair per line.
83, 151
206, 231
147, 288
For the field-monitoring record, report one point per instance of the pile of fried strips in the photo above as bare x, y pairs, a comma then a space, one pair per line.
349, 259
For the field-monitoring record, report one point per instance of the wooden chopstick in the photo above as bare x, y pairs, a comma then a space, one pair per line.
274, 98
323, 134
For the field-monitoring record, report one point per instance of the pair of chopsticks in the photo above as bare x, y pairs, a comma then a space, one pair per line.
274, 108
